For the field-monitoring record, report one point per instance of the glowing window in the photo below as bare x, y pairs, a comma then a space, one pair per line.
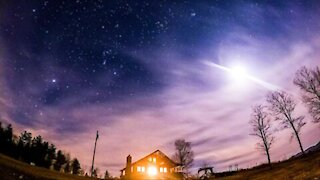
139, 169
143, 169
152, 171
150, 159
161, 169
154, 160
165, 170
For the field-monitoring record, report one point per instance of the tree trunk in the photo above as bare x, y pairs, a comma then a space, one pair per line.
267, 151
269, 161
298, 138
300, 143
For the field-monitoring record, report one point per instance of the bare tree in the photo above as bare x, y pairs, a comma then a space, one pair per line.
282, 106
308, 80
261, 125
184, 154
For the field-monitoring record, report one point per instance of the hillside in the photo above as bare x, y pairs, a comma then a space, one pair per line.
302, 167
11, 169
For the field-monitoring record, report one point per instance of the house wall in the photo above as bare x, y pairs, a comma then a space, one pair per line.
154, 166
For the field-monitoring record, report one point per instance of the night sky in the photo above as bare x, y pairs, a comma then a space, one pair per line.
145, 73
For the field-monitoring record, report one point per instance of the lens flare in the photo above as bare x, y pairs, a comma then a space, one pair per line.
241, 73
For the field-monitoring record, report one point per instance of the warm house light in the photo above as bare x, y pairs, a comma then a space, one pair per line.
165, 170
154, 166
152, 171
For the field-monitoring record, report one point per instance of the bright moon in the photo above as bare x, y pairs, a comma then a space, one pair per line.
238, 72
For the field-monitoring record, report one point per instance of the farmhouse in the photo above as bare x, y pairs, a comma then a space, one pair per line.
153, 166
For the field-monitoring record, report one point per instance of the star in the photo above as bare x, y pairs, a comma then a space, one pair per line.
71, 61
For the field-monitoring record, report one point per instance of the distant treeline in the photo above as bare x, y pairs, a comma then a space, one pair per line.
36, 151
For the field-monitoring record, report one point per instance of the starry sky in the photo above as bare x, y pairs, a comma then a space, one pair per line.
145, 73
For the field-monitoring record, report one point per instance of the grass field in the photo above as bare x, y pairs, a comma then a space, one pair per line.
307, 167
11, 169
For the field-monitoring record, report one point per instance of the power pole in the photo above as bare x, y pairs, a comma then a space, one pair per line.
94, 153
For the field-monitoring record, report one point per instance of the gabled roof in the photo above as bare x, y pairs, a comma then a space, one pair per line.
157, 151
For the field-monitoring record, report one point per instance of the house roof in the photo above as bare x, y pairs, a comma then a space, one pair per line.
157, 151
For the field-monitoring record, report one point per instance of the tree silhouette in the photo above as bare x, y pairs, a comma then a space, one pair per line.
184, 154
282, 106
60, 161
39, 150
95, 172
24, 146
261, 125
50, 156
308, 80
106, 175
75, 166
6, 140
35, 150
67, 166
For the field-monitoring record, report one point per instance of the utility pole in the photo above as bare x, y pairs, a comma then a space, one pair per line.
94, 153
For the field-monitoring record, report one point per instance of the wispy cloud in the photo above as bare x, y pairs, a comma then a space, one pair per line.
196, 100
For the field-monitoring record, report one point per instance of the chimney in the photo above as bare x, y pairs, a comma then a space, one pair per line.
128, 167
